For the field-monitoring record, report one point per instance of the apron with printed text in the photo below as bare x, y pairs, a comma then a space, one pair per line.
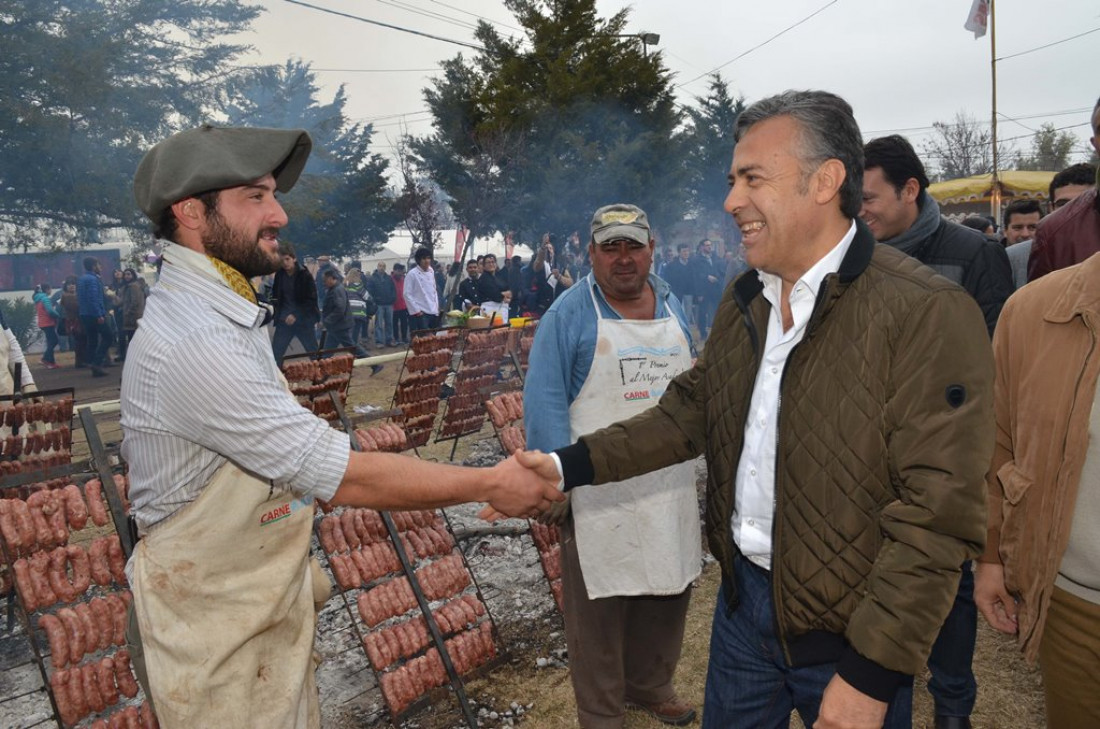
224, 593
640, 536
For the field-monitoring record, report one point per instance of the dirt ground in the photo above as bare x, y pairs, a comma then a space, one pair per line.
532, 687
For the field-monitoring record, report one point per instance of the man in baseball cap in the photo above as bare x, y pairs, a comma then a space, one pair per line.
225, 464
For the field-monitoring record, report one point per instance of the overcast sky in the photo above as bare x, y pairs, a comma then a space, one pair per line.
902, 65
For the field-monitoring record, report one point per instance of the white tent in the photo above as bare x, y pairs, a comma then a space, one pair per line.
399, 249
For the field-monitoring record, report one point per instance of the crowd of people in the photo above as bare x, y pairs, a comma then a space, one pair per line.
88, 316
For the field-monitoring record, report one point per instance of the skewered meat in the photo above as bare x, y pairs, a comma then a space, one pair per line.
127, 684
57, 638
101, 613
118, 619
108, 689
97, 508
23, 581
75, 508
40, 567
97, 562
115, 560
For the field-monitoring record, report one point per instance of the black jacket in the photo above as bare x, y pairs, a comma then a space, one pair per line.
702, 267
382, 289
295, 294
972, 261
467, 291
680, 278
337, 310
490, 289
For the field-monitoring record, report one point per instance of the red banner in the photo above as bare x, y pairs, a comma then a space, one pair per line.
460, 242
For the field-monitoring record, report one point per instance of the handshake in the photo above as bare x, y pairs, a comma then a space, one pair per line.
525, 485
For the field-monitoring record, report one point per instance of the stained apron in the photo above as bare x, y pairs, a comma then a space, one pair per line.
640, 536
224, 595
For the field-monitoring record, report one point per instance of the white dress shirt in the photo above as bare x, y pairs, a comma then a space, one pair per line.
420, 292
754, 504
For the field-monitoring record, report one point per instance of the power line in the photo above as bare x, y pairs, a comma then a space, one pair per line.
1048, 45
479, 17
375, 70
428, 13
385, 25
759, 45
982, 122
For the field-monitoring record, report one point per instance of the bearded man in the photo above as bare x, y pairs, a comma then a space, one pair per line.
225, 464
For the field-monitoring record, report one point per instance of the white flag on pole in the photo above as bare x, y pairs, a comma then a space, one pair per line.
978, 18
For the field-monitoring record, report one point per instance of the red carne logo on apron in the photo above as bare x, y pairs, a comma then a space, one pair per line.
637, 395
284, 510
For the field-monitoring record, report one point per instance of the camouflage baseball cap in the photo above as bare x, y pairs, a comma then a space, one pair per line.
617, 222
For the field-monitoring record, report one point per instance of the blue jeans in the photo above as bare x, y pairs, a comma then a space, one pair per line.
284, 333
952, 685
339, 338
51, 343
704, 314
97, 338
749, 683
383, 325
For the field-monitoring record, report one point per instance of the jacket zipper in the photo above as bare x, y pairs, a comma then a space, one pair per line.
780, 633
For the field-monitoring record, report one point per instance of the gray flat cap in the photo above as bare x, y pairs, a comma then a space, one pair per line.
214, 158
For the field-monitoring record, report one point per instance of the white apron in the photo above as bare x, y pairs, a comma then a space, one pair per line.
225, 603
640, 536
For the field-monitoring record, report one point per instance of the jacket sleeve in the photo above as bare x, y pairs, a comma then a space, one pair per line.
939, 431
1044, 255
673, 431
989, 280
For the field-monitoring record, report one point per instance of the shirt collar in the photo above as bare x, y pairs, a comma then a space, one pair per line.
220, 298
829, 263
660, 287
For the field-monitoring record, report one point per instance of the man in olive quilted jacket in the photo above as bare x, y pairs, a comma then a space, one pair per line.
844, 404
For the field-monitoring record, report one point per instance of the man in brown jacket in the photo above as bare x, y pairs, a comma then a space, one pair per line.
844, 404
1040, 575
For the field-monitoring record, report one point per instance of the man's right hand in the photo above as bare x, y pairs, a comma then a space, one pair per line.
290, 319
525, 485
997, 606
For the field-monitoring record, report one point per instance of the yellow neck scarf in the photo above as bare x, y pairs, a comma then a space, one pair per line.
235, 279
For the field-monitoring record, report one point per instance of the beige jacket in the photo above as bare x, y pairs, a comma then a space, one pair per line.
1047, 366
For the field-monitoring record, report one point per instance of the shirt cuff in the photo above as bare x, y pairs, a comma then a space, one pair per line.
870, 678
561, 474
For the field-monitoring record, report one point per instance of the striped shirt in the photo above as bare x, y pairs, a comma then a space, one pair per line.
200, 388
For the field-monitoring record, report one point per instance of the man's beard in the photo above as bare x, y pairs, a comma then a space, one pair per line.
238, 249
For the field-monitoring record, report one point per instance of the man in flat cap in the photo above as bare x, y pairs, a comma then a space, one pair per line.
224, 463
630, 550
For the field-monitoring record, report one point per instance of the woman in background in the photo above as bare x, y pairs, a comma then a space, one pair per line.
48, 316
133, 306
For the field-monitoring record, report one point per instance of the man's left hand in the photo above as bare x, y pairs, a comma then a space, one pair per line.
843, 707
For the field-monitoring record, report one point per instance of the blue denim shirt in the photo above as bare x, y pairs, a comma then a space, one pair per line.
561, 357
89, 294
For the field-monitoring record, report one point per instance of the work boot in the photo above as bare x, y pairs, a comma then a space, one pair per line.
97, 371
375, 369
952, 722
674, 711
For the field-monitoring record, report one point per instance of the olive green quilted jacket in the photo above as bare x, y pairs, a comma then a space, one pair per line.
885, 434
